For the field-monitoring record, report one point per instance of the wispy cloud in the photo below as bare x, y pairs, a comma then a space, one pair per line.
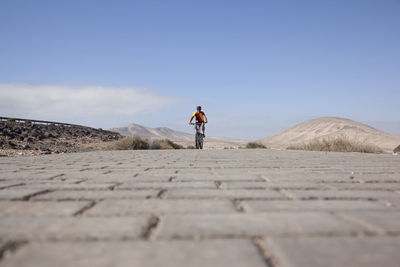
78, 104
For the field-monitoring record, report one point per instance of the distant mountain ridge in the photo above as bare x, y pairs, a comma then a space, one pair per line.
332, 127
167, 133
152, 133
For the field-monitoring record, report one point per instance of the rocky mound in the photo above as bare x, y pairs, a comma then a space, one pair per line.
50, 138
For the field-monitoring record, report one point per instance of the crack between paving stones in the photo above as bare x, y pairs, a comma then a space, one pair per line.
28, 197
114, 186
213, 237
218, 184
288, 234
56, 176
13, 185
10, 247
263, 248
81, 181
149, 232
162, 193
85, 208
382, 181
339, 198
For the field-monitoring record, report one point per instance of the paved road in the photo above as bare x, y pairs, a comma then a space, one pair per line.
200, 208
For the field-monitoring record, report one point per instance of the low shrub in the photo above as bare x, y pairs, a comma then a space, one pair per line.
339, 144
253, 145
165, 144
131, 143
137, 143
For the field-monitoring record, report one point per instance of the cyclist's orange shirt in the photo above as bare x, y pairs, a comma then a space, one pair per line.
199, 116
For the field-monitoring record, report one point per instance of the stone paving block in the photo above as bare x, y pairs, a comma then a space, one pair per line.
221, 194
44, 174
272, 185
365, 186
151, 178
15, 193
313, 205
97, 194
242, 224
71, 228
336, 251
387, 220
9, 184
200, 253
105, 176
280, 175
66, 186
156, 171
40, 208
365, 194
238, 174
165, 185
159, 206
214, 177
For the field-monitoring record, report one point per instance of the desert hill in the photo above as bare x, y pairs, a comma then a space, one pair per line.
332, 127
182, 138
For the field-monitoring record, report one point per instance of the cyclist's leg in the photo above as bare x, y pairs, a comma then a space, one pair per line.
203, 127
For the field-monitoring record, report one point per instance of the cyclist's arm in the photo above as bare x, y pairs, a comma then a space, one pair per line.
205, 119
190, 122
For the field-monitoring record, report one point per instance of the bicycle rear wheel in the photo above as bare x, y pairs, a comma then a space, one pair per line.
196, 141
199, 141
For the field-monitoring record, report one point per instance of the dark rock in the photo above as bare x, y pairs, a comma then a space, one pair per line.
34, 133
48, 135
11, 144
397, 149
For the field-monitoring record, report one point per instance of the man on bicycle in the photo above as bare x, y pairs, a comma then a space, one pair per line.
200, 119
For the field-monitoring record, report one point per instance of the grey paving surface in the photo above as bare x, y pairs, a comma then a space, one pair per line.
200, 208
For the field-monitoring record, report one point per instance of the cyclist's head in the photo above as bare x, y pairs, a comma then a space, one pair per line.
198, 108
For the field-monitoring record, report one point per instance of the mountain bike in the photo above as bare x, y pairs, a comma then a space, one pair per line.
199, 139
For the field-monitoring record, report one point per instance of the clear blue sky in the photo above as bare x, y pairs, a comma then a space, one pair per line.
256, 66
